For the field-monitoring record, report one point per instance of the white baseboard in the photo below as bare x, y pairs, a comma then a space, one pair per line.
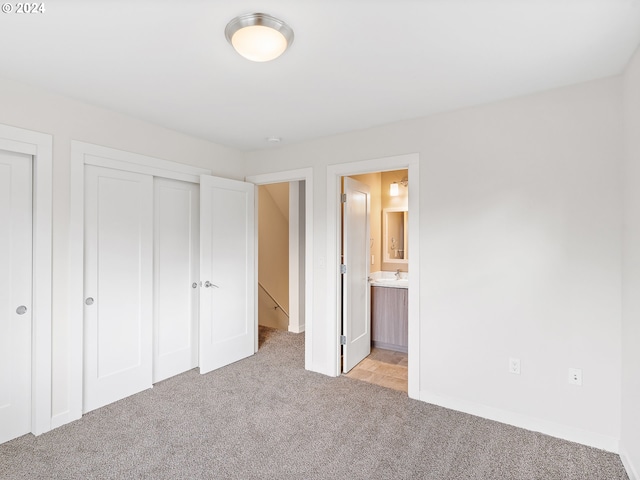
296, 328
585, 437
632, 472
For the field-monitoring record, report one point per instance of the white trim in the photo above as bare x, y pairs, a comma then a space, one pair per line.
88, 154
294, 257
573, 434
334, 173
632, 472
40, 146
76, 282
305, 174
193, 176
133, 162
16, 146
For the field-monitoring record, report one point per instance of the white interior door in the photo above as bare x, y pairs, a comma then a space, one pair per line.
176, 271
118, 285
227, 270
15, 294
356, 304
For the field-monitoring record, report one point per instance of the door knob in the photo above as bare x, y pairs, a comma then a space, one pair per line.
89, 301
208, 284
21, 310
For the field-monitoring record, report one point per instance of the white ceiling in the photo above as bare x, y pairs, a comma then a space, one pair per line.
354, 63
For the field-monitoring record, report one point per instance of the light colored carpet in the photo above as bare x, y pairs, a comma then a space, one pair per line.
266, 417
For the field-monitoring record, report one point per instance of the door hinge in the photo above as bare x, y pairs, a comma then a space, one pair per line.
343, 340
343, 269
343, 198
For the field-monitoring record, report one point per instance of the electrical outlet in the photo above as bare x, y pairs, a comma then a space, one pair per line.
575, 376
514, 366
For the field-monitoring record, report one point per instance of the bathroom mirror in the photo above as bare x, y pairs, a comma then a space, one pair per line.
395, 237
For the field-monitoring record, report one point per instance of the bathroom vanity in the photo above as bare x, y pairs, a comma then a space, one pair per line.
389, 313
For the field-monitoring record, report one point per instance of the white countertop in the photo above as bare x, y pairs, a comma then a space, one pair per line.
389, 279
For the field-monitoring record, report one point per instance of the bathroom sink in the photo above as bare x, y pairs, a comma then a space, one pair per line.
391, 282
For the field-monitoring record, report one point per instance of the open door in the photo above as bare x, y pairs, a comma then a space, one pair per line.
227, 272
356, 304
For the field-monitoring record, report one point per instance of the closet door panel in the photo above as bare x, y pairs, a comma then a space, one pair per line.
176, 266
15, 294
118, 285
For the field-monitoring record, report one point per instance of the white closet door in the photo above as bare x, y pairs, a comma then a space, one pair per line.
15, 295
176, 267
118, 285
356, 303
227, 270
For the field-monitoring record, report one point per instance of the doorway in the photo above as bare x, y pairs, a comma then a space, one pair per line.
281, 262
334, 245
375, 279
299, 308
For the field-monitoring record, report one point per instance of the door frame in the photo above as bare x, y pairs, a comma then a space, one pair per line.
305, 174
89, 154
294, 258
334, 233
40, 147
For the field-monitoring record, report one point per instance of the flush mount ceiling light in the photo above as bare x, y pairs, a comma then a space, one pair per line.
259, 37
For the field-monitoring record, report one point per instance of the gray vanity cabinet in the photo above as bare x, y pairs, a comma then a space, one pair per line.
389, 318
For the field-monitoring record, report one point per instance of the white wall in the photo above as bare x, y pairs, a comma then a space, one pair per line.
30, 108
630, 441
520, 240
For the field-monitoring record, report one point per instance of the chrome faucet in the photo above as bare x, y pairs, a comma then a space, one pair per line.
397, 274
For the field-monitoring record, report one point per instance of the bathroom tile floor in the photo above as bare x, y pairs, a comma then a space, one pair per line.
383, 367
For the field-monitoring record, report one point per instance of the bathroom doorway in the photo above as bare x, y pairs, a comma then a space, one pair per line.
335, 174
375, 253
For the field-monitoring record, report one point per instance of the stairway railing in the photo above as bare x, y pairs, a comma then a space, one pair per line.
274, 300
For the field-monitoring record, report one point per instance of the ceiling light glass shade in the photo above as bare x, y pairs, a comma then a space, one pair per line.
393, 190
259, 37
